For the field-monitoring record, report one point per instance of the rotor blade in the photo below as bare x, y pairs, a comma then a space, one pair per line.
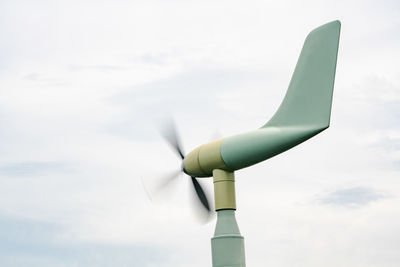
171, 136
149, 195
200, 193
166, 180
154, 187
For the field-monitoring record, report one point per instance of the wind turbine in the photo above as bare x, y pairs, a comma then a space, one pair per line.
304, 112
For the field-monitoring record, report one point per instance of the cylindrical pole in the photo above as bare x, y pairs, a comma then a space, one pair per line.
227, 244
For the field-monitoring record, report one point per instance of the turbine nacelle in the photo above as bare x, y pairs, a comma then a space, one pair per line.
240, 151
201, 161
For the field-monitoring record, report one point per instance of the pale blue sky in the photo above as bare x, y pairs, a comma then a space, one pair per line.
84, 84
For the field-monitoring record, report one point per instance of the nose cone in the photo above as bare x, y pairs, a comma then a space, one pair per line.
191, 165
204, 159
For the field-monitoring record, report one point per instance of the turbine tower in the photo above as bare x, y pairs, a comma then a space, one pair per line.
304, 112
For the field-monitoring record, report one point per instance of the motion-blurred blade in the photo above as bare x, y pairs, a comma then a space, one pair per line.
171, 136
166, 181
154, 187
200, 194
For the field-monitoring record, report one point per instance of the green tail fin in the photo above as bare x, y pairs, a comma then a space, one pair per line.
308, 99
305, 111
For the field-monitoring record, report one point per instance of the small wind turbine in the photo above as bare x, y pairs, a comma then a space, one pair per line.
304, 112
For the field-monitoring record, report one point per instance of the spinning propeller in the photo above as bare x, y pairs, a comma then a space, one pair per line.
171, 136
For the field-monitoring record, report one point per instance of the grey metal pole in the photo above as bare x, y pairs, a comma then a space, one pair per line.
227, 245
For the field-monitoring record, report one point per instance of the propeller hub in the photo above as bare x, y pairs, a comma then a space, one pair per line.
201, 161
183, 168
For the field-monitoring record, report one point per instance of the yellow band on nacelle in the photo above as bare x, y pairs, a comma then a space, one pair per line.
203, 160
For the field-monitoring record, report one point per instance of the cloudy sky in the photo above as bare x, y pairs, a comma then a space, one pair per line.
85, 84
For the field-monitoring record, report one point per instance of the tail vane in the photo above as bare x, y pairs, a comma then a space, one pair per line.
308, 99
305, 111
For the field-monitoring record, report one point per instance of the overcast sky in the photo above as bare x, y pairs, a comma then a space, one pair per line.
85, 84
